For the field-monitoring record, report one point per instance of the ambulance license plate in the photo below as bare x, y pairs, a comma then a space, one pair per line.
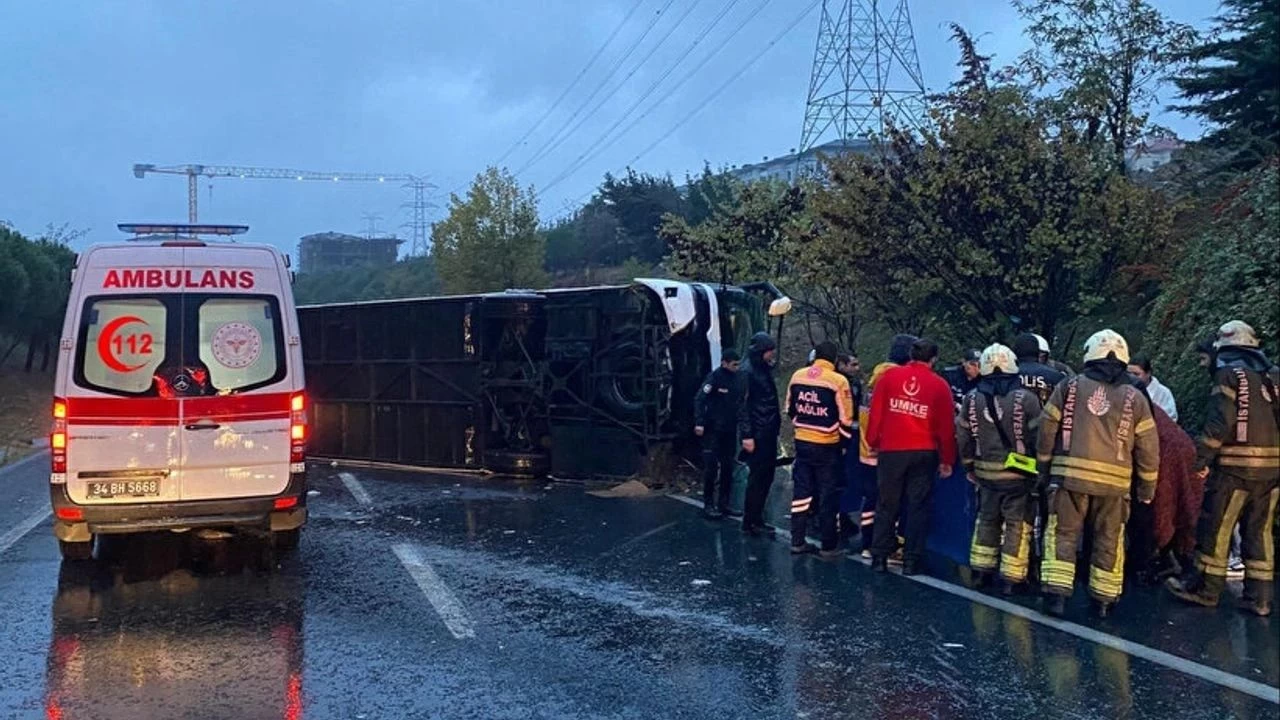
103, 489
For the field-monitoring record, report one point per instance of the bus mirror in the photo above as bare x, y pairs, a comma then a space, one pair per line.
780, 307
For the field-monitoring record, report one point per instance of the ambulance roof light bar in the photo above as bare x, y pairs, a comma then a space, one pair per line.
142, 231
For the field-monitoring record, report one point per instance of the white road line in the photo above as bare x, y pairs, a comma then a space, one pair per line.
17, 532
356, 489
639, 538
24, 461
1225, 679
442, 599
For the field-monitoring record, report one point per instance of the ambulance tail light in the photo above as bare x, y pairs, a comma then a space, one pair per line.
297, 428
58, 437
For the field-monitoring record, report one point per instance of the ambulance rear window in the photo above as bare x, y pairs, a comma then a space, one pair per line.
238, 341
180, 344
122, 343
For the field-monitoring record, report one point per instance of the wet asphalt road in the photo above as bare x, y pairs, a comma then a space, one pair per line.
432, 595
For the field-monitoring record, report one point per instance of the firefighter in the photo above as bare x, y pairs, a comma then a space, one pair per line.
1096, 434
759, 421
715, 414
1035, 375
996, 435
820, 406
1241, 448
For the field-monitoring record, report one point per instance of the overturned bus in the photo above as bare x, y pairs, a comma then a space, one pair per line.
576, 382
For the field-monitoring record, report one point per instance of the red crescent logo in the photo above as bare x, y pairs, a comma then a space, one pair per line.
104, 343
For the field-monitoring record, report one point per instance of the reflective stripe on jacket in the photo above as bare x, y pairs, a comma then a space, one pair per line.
820, 404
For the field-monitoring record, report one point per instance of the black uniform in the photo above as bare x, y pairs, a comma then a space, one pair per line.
1035, 375
715, 410
1241, 444
759, 419
959, 382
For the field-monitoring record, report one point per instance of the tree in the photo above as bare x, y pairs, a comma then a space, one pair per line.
1109, 58
1226, 273
36, 276
490, 239
638, 202
737, 244
999, 219
1232, 81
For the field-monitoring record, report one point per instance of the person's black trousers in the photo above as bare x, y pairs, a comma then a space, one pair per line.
905, 478
718, 458
817, 472
761, 467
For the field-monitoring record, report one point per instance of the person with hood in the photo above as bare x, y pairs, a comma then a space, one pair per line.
1241, 448
996, 436
715, 418
1046, 358
1034, 374
759, 421
899, 354
1097, 435
912, 429
820, 406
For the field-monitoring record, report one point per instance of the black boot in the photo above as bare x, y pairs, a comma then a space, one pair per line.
711, 513
730, 512
1261, 608
880, 564
910, 566
1055, 604
1102, 609
1191, 589
805, 549
980, 579
1008, 588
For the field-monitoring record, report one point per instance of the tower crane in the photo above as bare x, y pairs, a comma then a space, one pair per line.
193, 172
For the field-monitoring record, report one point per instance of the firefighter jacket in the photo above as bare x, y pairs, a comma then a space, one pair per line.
820, 404
715, 407
758, 415
1039, 378
1240, 429
982, 449
1097, 433
865, 453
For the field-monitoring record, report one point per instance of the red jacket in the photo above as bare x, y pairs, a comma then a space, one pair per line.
912, 409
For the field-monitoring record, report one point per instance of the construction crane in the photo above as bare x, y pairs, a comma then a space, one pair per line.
194, 172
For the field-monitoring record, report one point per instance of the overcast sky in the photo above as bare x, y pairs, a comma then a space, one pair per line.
426, 87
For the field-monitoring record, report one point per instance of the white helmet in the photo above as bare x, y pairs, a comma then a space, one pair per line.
1104, 344
998, 358
1237, 333
1042, 343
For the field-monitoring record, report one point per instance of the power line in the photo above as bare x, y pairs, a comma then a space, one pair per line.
557, 138
581, 73
750, 63
601, 142
702, 34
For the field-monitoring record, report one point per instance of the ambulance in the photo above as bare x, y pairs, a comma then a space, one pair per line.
179, 397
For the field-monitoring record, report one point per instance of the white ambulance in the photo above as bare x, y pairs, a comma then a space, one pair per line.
179, 399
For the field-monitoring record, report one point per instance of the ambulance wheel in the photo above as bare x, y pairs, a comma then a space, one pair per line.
76, 551
287, 540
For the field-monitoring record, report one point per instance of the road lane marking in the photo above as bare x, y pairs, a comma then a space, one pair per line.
442, 599
1262, 691
355, 488
17, 532
24, 461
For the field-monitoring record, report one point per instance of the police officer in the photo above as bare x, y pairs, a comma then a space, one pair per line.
996, 436
759, 421
1096, 434
1241, 448
715, 413
820, 406
1035, 375
963, 377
